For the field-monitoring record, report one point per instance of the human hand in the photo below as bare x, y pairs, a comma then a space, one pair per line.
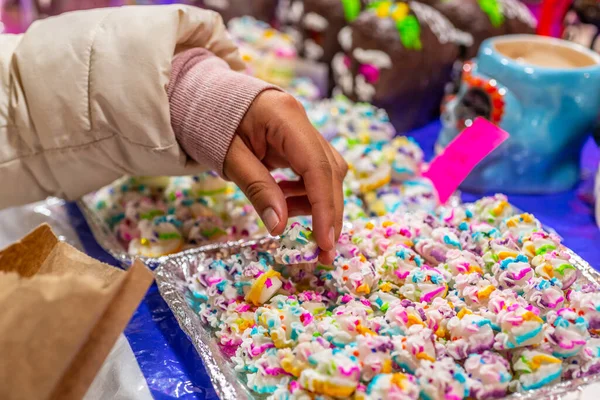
276, 133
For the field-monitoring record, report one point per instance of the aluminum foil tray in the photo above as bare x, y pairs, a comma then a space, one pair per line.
107, 239
171, 278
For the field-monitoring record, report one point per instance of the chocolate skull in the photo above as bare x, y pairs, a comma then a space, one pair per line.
263, 10
321, 22
486, 18
582, 24
399, 57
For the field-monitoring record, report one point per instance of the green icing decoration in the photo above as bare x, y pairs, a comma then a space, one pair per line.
151, 214
545, 249
410, 32
561, 269
169, 236
493, 10
351, 9
210, 233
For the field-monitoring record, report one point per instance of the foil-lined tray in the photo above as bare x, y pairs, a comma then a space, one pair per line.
172, 275
109, 242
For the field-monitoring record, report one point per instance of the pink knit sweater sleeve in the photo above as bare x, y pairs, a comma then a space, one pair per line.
208, 101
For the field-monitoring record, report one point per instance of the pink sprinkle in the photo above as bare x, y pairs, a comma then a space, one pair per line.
347, 61
401, 275
366, 302
512, 307
429, 296
450, 216
243, 308
405, 232
274, 371
213, 281
370, 72
294, 385
127, 237
268, 283
350, 371
307, 318
346, 298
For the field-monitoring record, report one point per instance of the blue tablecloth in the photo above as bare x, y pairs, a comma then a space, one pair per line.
172, 367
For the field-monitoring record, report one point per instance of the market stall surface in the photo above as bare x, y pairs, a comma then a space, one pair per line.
169, 362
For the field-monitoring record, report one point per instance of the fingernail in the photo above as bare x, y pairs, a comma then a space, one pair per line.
332, 237
270, 218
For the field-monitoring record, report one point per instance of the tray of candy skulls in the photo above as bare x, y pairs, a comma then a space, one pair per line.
472, 301
152, 218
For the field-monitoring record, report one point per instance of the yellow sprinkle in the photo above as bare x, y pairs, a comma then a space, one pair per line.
485, 292
330, 389
527, 218
529, 316
383, 10
268, 33
386, 287
387, 366
400, 12
363, 330
511, 223
440, 332
288, 367
530, 248
548, 270
409, 243
463, 312
369, 225
507, 254
364, 137
247, 57
475, 268
414, 320
398, 380
245, 324
538, 360
369, 187
499, 208
364, 288
144, 242
387, 224
253, 295
362, 258
424, 356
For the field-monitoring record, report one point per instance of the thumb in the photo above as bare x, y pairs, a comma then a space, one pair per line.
249, 173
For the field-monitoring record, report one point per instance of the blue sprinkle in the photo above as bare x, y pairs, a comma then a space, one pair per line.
451, 242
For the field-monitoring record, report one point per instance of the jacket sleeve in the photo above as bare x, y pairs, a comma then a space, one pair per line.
83, 98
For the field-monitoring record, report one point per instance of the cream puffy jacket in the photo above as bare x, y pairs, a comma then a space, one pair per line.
83, 98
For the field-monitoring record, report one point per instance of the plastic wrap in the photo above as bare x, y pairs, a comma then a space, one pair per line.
18, 221
171, 279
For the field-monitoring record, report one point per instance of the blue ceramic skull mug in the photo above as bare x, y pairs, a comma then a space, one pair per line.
545, 93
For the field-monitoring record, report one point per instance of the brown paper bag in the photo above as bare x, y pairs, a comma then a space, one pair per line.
61, 313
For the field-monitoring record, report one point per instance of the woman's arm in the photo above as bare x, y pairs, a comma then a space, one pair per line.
83, 98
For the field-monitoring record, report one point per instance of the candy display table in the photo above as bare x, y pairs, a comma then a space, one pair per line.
172, 367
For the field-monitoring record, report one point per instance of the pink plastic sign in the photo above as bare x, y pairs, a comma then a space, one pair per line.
451, 167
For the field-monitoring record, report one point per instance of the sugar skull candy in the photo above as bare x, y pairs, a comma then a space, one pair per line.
483, 19
582, 24
263, 10
389, 41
